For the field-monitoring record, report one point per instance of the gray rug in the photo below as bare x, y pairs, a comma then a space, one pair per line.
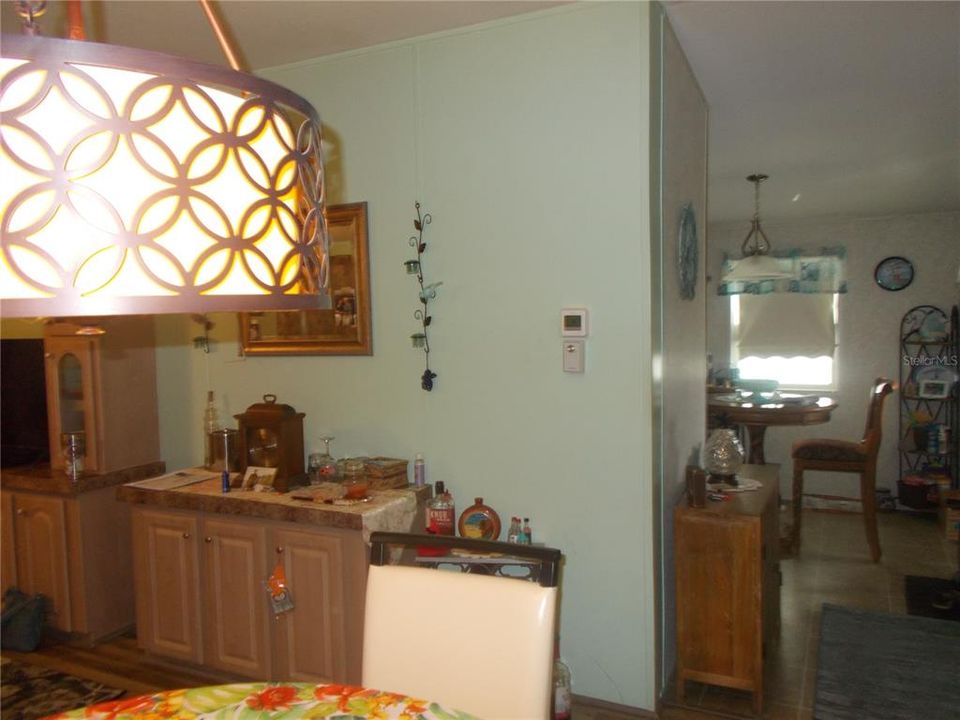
886, 667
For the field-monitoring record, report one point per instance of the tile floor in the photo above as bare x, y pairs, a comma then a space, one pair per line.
833, 566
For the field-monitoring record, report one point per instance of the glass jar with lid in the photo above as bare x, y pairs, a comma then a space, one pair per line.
355, 478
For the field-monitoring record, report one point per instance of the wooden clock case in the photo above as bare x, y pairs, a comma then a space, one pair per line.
271, 435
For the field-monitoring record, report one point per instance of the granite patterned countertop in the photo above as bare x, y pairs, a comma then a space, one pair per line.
385, 509
43, 479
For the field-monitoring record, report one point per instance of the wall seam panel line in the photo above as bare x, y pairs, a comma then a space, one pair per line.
418, 123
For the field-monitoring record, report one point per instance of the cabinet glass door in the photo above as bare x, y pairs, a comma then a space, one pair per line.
70, 375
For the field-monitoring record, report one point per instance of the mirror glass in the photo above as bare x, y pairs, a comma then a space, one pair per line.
342, 330
71, 393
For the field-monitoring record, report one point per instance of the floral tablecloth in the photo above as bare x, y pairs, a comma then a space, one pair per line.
255, 701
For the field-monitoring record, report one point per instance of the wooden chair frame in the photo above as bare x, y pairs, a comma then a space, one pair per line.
865, 466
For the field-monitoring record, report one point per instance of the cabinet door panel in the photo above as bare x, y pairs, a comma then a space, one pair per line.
41, 546
8, 567
167, 582
719, 559
311, 638
235, 600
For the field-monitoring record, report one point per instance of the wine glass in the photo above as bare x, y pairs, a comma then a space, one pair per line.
323, 468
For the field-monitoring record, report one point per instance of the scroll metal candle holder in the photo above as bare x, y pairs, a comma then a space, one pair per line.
427, 293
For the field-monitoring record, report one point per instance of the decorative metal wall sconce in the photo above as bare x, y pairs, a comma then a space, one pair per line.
421, 339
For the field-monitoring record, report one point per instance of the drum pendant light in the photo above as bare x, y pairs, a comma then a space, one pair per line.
133, 182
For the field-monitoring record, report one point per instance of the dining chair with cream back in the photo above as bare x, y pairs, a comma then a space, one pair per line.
828, 455
482, 643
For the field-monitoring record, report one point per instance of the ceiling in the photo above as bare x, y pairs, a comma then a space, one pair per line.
852, 108
267, 32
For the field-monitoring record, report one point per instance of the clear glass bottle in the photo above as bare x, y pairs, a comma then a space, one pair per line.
211, 423
440, 512
562, 689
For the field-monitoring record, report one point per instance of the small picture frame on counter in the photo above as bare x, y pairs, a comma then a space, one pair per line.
258, 479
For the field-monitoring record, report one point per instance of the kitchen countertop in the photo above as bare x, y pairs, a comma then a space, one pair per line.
206, 496
43, 479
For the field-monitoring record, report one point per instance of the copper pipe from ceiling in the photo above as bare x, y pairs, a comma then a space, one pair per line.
222, 38
75, 29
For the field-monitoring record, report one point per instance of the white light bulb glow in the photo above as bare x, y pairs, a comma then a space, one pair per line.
132, 191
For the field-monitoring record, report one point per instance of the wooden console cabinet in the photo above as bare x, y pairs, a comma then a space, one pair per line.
201, 595
728, 586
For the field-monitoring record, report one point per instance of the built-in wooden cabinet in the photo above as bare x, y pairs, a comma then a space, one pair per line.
104, 385
236, 633
201, 594
311, 640
726, 559
166, 559
40, 539
66, 548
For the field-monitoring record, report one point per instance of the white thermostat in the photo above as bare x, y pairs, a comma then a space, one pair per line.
573, 322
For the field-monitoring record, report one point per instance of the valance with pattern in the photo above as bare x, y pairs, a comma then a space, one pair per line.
808, 272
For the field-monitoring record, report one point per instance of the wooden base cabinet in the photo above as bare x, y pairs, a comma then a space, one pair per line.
320, 638
65, 547
40, 539
167, 580
728, 586
201, 595
237, 637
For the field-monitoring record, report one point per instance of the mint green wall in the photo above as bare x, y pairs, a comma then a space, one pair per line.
527, 140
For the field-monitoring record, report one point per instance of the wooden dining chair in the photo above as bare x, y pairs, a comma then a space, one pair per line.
828, 455
480, 643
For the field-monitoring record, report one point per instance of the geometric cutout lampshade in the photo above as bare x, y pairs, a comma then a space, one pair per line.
133, 182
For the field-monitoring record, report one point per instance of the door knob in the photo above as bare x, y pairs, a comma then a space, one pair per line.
279, 549
186, 536
21, 512
208, 539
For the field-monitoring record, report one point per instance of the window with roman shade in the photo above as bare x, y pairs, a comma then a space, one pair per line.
786, 329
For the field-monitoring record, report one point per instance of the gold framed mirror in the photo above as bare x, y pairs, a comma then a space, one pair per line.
342, 330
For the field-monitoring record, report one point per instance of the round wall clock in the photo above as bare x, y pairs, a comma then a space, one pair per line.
687, 253
893, 273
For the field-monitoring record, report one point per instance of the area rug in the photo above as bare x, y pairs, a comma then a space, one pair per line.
28, 691
886, 667
924, 594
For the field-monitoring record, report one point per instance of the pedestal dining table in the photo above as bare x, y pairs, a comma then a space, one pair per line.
259, 700
758, 411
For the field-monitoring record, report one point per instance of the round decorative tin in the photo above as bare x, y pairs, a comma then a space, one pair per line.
479, 521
